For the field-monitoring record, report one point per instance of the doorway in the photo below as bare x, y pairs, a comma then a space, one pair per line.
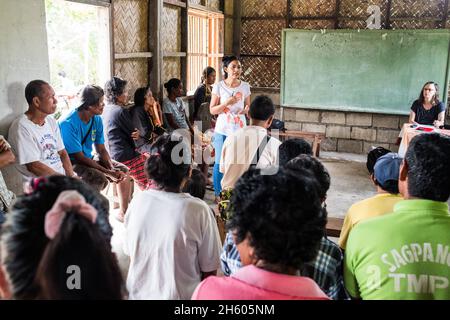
79, 47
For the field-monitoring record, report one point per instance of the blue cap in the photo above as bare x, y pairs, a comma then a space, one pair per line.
387, 168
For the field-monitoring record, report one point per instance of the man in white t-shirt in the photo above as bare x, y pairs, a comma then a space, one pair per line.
35, 137
250, 145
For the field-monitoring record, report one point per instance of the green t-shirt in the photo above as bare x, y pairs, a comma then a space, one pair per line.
403, 255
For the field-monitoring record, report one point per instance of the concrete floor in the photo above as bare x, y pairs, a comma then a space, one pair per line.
349, 182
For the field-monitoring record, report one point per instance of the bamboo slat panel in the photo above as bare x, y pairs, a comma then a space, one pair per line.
264, 8
228, 45
229, 7
313, 8
417, 9
220, 31
134, 71
130, 26
170, 29
312, 24
214, 4
262, 71
262, 36
171, 69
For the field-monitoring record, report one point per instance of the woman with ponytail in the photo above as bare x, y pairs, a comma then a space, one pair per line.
56, 244
171, 237
230, 101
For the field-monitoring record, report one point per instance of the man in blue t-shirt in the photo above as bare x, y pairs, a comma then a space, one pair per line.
82, 131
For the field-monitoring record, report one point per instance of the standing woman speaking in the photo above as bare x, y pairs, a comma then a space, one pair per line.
230, 100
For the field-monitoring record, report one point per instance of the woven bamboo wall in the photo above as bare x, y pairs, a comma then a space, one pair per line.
134, 71
263, 20
171, 69
171, 24
130, 36
171, 41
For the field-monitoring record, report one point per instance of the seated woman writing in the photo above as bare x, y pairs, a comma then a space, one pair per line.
428, 110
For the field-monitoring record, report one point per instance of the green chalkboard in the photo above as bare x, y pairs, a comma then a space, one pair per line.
379, 71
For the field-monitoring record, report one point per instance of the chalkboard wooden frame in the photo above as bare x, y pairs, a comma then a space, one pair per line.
288, 99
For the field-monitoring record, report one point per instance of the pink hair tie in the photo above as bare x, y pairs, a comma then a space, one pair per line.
69, 200
33, 185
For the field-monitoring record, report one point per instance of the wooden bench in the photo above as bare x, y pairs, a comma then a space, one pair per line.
334, 226
317, 138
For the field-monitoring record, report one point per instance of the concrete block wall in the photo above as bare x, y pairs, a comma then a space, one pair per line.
350, 132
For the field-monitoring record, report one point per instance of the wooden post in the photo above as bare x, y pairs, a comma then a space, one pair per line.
111, 40
154, 44
184, 45
388, 14
237, 28
336, 14
288, 14
445, 15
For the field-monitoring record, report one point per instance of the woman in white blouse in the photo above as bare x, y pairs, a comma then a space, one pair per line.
230, 101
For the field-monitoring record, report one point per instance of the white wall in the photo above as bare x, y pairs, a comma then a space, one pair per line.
23, 57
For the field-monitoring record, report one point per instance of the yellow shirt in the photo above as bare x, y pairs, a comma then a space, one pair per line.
369, 208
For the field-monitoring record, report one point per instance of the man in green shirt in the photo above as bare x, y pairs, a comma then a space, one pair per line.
405, 254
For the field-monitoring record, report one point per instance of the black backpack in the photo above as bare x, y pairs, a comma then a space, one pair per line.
277, 124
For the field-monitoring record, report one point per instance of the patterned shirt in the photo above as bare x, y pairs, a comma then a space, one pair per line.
325, 270
176, 109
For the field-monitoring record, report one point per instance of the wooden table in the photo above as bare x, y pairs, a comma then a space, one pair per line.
317, 138
334, 227
409, 133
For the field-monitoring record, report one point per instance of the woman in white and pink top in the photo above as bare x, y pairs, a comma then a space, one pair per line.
230, 100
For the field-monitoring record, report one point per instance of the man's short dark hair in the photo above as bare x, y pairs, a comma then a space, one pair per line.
292, 148
390, 186
281, 213
429, 167
309, 163
34, 89
373, 156
262, 108
90, 96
